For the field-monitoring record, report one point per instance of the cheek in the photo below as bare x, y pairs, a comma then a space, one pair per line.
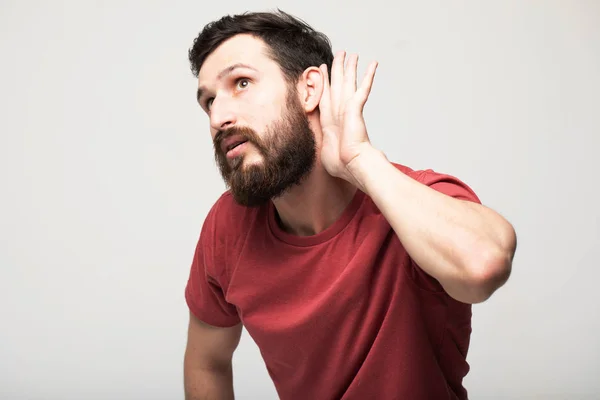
259, 116
268, 104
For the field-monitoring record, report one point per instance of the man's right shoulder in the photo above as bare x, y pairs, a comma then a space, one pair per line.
227, 218
224, 232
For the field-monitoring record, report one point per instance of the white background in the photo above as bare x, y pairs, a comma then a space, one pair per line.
107, 174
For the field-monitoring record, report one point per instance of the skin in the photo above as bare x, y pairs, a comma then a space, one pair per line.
467, 247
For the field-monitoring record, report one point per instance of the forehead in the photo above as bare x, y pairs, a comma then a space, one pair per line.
240, 49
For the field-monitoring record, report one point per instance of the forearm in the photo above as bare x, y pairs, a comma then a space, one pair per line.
466, 246
208, 384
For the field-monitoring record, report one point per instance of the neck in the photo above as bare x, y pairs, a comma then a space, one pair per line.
314, 205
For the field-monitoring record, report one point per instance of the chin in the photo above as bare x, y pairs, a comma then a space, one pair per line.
250, 160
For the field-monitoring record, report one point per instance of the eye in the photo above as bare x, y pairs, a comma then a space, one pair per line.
209, 103
242, 83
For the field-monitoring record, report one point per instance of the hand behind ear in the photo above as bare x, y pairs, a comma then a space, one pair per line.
341, 106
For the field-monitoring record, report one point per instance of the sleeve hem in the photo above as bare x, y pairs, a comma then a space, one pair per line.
210, 319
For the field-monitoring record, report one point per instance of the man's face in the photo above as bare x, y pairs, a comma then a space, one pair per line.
262, 139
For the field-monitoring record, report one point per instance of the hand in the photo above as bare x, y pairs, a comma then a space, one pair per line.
341, 112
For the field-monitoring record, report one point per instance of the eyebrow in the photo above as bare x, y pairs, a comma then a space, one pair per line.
222, 74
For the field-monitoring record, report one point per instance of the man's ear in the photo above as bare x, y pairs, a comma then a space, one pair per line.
310, 89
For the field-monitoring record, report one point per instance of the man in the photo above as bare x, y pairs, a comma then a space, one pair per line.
354, 275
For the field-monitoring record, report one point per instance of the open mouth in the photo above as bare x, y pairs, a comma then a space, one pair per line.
235, 144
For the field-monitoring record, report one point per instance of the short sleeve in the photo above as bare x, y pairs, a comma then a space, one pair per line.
204, 291
450, 186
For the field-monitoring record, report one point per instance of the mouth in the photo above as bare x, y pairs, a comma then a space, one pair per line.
234, 145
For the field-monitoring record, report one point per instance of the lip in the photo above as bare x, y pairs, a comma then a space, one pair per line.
237, 151
231, 141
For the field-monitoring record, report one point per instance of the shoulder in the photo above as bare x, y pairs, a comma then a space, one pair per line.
226, 215
225, 229
442, 182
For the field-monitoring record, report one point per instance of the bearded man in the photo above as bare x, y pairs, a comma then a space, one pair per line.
353, 274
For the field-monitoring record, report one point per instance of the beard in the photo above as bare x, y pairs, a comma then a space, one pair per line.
288, 151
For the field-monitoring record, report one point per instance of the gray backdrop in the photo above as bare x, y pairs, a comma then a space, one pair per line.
108, 172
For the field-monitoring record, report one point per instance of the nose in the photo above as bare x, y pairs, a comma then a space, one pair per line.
222, 114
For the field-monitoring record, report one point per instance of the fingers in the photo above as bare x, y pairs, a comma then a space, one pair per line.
367, 83
337, 80
343, 87
350, 75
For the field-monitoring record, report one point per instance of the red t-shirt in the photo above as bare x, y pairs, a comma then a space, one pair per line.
344, 314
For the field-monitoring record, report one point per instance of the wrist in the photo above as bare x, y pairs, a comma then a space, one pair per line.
366, 167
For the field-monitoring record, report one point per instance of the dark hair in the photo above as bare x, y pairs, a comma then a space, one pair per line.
292, 43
